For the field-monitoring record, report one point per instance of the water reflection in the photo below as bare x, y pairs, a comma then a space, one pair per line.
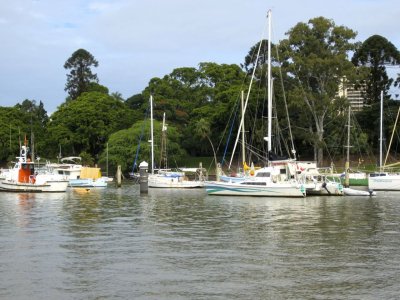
116, 243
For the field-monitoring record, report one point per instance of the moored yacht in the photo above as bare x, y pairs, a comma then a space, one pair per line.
277, 180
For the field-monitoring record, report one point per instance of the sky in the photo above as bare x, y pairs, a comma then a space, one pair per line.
134, 41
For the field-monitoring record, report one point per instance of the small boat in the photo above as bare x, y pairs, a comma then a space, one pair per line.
170, 179
317, 183
78, 175
354, 192
166, 178
88, 182
24, 178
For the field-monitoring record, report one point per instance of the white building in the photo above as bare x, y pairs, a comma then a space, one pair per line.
355, 97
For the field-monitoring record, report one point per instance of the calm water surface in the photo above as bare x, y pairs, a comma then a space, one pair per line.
116, 244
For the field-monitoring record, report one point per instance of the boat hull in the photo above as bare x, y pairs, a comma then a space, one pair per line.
173, 183
325, 188
88, 182
234, 189
48, 187
354, 192
384, 183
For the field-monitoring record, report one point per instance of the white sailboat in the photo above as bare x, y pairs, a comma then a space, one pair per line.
165, 178
382, 180
278, 179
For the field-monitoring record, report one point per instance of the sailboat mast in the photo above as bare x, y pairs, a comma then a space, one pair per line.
151, 134
380, 134
245, 104
163, 152
347, 164
391, 138
269, 84
107, 159
243, 146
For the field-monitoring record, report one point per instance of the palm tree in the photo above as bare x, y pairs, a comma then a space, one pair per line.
203, 130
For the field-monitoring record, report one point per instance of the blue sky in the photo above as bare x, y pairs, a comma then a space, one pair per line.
135, 41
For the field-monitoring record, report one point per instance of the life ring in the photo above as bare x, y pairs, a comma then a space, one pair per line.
251, 172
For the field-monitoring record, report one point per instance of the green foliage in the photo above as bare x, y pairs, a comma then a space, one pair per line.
124, 144
316, 55
374, 53
22, 121
95, 87
80, 76
369, 121
136, 102
87, 159
188, 94
85, 124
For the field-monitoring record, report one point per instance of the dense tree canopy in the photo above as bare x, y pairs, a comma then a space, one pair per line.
80, 76
85, 124
125, 144
375, 53
22, 120
316, 54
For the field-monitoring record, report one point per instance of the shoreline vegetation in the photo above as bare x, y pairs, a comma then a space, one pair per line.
202, 105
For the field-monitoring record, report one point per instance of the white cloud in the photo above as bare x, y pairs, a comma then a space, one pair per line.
136, 40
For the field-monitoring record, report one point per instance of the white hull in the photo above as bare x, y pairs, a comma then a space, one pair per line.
324, 188
156, 181
89, 182
389, 182
354, 192
49, 187
237, 189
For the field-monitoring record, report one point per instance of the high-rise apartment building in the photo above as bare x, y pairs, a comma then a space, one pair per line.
355, 96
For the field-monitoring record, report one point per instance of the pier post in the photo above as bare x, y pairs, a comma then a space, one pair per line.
119, 176
201, 175
143, 180
218, 172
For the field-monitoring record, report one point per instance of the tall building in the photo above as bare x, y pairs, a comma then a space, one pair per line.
355, 97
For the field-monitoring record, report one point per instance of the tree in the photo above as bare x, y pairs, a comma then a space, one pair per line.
80, 76
11, 132
84, 125
374, 53
123, 145
188, 94
316, 55
136, 102
36, 119
203, 130
24, 119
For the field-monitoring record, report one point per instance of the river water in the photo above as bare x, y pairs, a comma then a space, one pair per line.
117, 244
